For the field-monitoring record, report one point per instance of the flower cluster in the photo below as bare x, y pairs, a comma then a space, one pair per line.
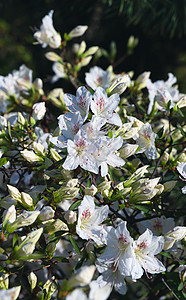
91, 193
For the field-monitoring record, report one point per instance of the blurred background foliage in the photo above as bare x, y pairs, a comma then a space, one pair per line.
159, 25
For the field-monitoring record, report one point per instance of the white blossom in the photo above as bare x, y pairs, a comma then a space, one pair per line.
47, 35
97, 77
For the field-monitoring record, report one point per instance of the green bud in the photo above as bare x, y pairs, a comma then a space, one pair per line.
4, 281
54, 154
32, 279
38, 148
92, 190
56, 225
65, 193
52, 56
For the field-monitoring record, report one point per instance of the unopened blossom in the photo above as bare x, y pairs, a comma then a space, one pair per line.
90, 218
145, 249
182, 170
97, 77
39, 110
141, 80
97, 292
80, 102
104, 106
59, 71
82, 276
145, 138
47, 35
119, 250
174, 235
78, 31
153, 87
30, 156
10, 294
119, 85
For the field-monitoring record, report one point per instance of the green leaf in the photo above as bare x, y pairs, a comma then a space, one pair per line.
73, 242
180, 286
160, 132
75, 204
61, 259
4, 160
166, 254
144, 208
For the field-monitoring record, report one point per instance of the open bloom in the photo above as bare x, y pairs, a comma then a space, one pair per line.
119, 250
104, 106
97, 77
90, 219
80, 102
47, 35
145, 248
145, 139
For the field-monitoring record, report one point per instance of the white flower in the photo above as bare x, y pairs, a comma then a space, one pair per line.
182, 170
145, 248
70, 216
80, 102
39, 110
112, 277
30, 156
89, 220
119, 250
145, 138
162, 85
97, 77
104, 107
106, 153
80, 152
59, 71
10, 294
97, 292
76, 295
157, 225
47, 35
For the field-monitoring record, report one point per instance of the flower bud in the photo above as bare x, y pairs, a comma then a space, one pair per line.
169, 185
165, 158
70, 216
182, 156
14, 192
27, 246
46, 213
39, 111
136, 175
32, 279
119, 85
146, 194
77, 31
104, 188
9, 215
25, 219
20, 119
91, 51
56, 225
176, 234
65, 193
38, 148
142, 80
49, 288
38, 84
55, 155
128, 150
82, 277
30, 156
4, 282
85, 61
72, 182
82, 48
26, 199
91, 191
52, 56
181, 103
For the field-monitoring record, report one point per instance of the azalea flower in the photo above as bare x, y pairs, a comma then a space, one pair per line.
106, 153
145, 138
80, 152
97, 77
69, 124
182, 170
158, 226
159, 86
112, 277
89, 219
39, 110
145, 248
97, 292
119, 250
104, 106
47, 35
80, 102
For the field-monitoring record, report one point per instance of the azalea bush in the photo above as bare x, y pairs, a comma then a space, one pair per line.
92, 181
